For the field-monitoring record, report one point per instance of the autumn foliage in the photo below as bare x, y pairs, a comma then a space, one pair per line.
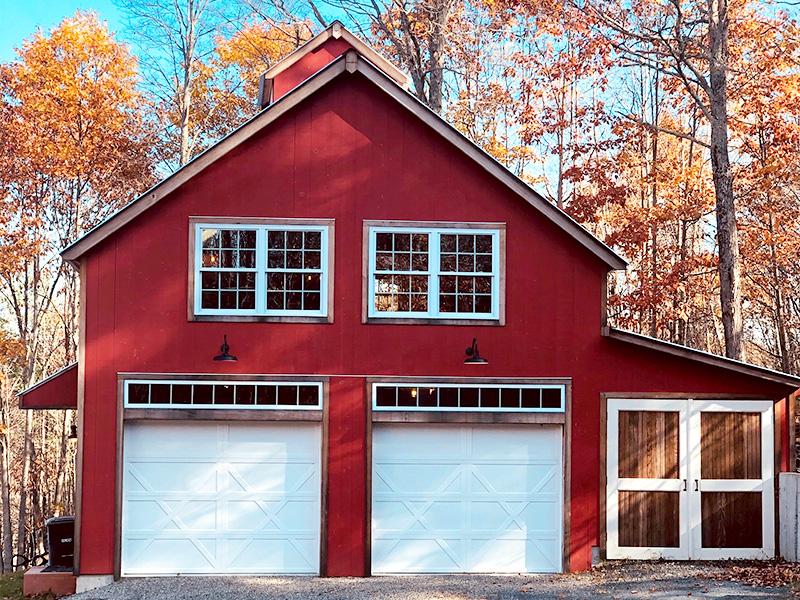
598, 121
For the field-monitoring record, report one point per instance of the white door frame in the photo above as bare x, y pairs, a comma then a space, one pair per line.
765, 484
615, 484
689, 484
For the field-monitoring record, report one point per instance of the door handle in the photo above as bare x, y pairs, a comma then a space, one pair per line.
684, 485
696, 485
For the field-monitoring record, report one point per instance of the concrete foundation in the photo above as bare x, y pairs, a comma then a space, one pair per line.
91, 582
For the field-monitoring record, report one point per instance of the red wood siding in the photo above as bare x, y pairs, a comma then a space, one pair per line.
58, 391
351, 155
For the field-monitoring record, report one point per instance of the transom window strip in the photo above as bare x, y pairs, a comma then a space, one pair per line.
473, 397
223, 394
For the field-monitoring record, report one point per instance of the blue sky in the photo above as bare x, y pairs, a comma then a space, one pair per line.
20, 18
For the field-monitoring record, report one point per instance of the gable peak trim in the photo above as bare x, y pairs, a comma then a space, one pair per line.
338, 31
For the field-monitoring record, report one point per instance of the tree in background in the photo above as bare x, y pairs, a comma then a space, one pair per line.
413, 32
226, 89
175, 38
200, 59
74, 147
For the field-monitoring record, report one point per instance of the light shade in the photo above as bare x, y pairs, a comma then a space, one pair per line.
473, 356
224, 352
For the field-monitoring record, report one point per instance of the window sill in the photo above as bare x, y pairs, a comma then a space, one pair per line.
429, 321
259, 319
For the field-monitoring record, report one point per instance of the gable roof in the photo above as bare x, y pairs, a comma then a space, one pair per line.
337, 30
699, 356
350, 62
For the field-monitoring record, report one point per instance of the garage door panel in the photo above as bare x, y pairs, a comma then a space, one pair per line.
498, 514
195, 555
442, 477
260, 555
527, 443
417, 443
419, 554
248, 438
271, 477
173, 476
162, 439
262, 510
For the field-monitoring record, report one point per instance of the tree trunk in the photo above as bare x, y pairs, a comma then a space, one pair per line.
780, 319
727, 232
23, 486
5, 495
436, 45
185, 100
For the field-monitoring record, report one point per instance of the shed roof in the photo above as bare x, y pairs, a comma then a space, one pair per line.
58, 391
349, 63
704, 357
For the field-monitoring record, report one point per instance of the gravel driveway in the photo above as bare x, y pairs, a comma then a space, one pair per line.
652, 581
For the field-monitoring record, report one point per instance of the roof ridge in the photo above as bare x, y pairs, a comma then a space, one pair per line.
351, 61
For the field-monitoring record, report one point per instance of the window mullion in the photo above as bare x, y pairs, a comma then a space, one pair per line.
495, 274
323, 267
198, 271
434, 248
261, 270
372, 258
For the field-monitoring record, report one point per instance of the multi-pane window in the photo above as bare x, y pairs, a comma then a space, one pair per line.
434, 273
228, 269
294, 270
275, 269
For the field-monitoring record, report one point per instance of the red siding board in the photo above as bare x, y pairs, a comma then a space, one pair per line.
352, 155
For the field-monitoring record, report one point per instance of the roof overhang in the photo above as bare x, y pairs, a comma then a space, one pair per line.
703, 357
337, 30
350, 62
59, 391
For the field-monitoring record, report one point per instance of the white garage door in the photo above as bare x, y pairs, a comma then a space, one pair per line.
220, 498
466, 499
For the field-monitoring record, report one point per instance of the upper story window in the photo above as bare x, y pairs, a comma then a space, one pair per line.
260, 269
440, 272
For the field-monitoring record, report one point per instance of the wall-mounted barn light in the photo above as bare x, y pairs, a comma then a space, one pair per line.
473, 356
224, 352
73, 433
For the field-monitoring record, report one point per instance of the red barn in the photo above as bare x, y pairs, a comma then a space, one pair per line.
349, 245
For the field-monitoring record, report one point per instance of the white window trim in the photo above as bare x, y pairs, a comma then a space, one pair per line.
494, 409
433, 273
261, 270
212, 382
